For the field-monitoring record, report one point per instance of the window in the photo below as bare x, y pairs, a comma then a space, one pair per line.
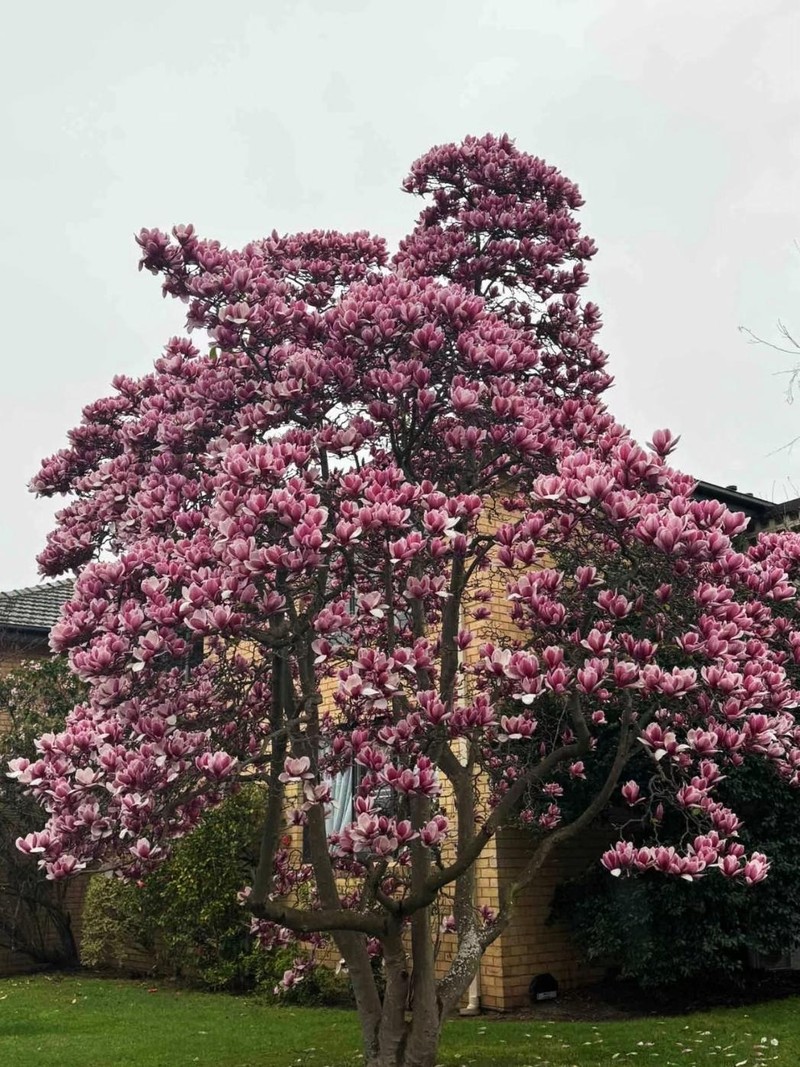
344, 787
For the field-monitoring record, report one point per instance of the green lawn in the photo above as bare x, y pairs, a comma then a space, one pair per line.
91, 1022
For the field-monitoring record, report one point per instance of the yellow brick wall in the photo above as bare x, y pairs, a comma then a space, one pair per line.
532, 945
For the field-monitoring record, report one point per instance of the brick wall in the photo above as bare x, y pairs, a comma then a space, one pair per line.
532, 944
15, 650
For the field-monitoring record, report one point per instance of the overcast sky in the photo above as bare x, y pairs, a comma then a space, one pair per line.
679, 119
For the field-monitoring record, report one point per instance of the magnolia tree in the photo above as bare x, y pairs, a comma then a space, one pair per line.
382, 523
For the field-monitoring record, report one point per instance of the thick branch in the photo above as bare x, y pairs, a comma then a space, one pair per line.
325, 919
470, 851
273, 820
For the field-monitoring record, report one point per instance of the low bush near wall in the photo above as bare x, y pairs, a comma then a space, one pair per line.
185, 920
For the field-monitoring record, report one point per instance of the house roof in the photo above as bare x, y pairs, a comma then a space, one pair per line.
787, 509
754, 506
766, 514
35, 608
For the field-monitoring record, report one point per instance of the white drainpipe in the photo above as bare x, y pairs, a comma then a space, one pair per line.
474, 1002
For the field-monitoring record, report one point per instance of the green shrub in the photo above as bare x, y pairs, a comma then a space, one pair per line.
202, 931
187, 917
661, 930
114, 923
186, 914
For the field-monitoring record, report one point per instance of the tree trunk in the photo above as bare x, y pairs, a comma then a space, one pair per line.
411, 1039
403, 1039
426, 1021
392, 1033
397, 1049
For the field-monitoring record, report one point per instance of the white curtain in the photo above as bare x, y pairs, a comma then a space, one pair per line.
341, 811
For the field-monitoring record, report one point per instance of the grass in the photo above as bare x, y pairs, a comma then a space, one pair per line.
89, 1022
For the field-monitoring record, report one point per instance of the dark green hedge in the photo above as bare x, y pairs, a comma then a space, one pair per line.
661, 930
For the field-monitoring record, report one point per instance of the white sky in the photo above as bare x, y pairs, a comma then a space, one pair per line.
679, 120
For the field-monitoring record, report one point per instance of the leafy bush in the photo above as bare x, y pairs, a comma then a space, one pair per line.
187, 918
201, 929
114, 923
186, 914
660, 931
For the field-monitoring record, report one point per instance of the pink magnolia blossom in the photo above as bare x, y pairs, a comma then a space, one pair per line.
296, 770
631, 793
216, 765
755, 869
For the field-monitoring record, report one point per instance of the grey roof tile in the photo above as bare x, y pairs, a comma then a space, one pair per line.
36, 607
